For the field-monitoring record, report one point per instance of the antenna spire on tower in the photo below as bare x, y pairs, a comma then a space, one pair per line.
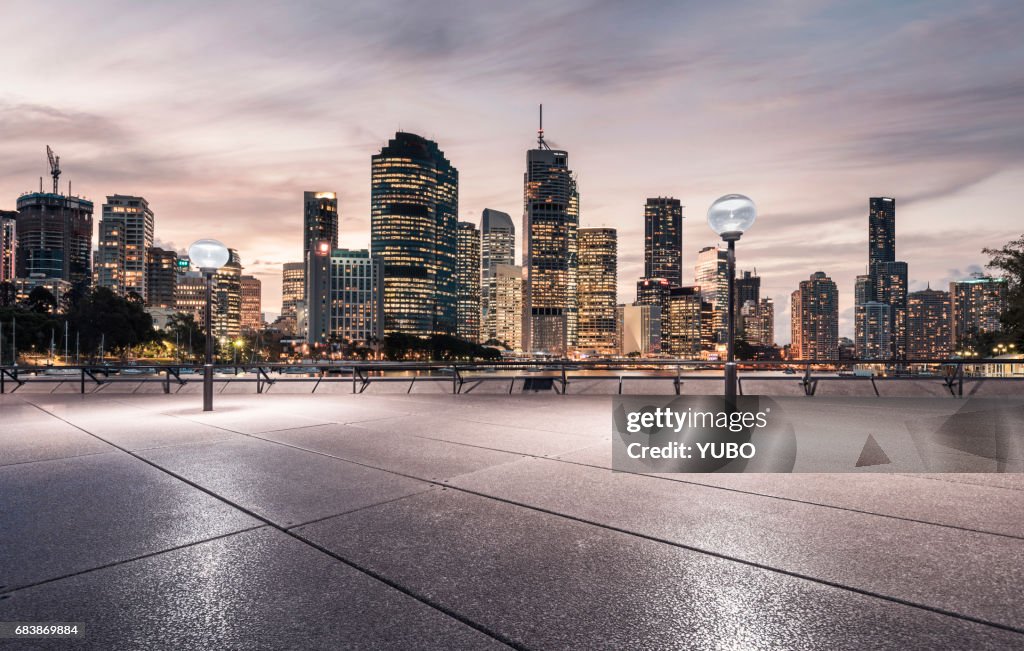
540, 131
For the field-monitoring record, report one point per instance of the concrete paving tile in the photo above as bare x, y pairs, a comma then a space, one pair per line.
28, 434
254, 590
283, 484
412, 455
902, 496
956, 570
547, 582
68, 515
498, 437
249, 419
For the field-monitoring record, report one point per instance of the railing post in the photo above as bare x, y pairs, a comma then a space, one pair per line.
82, 385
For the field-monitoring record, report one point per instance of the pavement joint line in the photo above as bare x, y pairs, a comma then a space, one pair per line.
969, 483
267, 522
720, 555
699, 550
70, 456
739, 490
363, 508
105, 566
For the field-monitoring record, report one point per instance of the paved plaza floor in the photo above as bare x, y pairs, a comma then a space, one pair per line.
472, 521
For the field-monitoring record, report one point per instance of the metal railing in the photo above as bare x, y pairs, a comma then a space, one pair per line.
556, 375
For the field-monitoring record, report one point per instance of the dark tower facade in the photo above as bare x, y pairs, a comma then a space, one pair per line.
319, 219
413, 215
663, 240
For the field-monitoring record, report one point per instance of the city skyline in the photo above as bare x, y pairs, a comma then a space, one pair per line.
240, 141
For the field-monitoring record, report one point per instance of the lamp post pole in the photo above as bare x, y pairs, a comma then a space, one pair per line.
208, 366
730, 363
730, 216
208, 256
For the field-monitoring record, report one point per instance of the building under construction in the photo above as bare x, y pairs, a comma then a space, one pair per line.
54, 233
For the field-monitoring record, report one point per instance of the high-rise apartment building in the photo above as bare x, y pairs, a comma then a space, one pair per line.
638, 330
468, 279
881, 230
890, 281
251, 317
928, 324
497, 246
550, 250
413, 214
507, 306
190, 295
711, 274
293, 287
227, 298
663, 239
690, 319
346, 287
319, 219
598, 289
887, 280
757, 320
54, 237
161, 277
977, 306
8, 245
872, 340
125, 234
815, 319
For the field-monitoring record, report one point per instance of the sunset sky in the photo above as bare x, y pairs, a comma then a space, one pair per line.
222, 113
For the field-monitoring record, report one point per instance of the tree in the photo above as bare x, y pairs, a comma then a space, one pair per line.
102, 315
184, 328
1010, 261
41, 301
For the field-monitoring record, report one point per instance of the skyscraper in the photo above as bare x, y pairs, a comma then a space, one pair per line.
351, 311
890, 284
598, 288
227, 298
887, 277
293, 287
550, 248
663, 239
319, 219
690, 318
928, 324
711, 274
758, 322
497, 246
414, 204
161, 277
977, 305
507, 306
872, 340
881, 230
54, 237
8, 245
251, 316
815, 319
468, 281
126, 233
748, 290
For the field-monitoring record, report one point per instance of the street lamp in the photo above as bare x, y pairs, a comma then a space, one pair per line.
730, 216
209, 256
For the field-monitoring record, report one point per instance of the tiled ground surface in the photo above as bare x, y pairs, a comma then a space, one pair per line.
480, 520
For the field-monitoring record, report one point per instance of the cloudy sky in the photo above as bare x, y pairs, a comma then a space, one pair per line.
222, 113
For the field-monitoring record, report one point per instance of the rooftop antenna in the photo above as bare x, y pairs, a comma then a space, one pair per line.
540, 131
54, 167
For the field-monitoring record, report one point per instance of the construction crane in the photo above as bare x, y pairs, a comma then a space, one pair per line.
54, 167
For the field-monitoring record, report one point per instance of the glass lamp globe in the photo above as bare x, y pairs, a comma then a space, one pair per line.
208, 255
730, 216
